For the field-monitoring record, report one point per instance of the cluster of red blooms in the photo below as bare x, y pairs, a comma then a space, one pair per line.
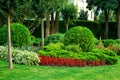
52, 61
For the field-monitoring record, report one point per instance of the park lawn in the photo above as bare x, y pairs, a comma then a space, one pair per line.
23, 72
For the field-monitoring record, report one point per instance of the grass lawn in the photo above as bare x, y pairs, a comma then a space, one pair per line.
23, 72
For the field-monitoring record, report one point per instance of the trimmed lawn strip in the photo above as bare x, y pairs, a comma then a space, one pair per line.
23, 72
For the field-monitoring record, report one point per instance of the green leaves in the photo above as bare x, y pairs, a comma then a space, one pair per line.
20, 56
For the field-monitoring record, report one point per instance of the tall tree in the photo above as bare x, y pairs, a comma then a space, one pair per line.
60, 5
39, 6
117, 11
106, 6
8, 6
69, 14
83, 15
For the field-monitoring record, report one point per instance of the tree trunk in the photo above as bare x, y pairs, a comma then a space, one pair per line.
9, 43
47, 24
52, 23
42, 32
67, 24
106, 23
57, 22
118, 22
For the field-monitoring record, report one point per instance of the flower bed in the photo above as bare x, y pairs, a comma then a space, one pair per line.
52, 61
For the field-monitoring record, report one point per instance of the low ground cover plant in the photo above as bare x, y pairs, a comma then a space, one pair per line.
20, 56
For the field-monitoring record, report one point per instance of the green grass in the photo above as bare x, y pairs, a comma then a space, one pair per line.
23, 72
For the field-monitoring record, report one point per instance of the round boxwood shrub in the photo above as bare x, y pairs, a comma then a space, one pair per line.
20, 35
80, 35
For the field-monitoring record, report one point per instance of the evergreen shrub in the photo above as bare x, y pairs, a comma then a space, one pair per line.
81, 36
54, 38
20, 35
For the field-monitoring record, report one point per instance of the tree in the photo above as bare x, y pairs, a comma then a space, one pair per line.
8, 7
83, 15
69, 14
117, 12
2, 18
39, 8
106, 6
112, 17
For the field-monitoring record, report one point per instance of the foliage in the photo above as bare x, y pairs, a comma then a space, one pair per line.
115, 48
73, 48
69, 14
46, 60
80, 35
20, 35
69, 11
20, 56
118, 41
112, 17
107, 55
74, 52
23, 12
108, 42
37, 42
83, 15
54, 38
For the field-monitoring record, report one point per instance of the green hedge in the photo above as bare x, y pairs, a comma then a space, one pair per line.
97, 28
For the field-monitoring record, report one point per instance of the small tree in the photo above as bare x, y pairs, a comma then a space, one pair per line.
83, 15
69, 14
8, 6
40, 9
105, 6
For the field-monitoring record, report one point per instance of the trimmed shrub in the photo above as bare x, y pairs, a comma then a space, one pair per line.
20, 56
80, 35
20, 35
54, 38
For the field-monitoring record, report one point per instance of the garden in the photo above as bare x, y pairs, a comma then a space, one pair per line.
49, 40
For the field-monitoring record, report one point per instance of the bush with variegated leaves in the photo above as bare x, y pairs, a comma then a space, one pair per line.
20, 56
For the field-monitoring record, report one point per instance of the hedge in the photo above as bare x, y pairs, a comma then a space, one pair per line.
97, 28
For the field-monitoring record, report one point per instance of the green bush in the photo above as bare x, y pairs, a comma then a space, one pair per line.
73, 48
20, 35
20, 56
118, 41
80, 35
54, 38
115, 48
37, 42
108, 42
107, 55
53, 46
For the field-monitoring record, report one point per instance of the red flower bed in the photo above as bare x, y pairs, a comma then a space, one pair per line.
46, 60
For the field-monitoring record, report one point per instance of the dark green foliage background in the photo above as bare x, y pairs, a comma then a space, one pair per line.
98, 28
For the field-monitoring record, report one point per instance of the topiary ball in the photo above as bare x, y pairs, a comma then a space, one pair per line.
80, 35
20, 35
